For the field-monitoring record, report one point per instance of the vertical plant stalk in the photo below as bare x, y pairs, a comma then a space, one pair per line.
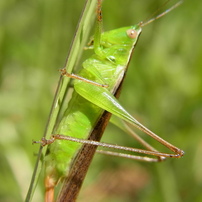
80, 38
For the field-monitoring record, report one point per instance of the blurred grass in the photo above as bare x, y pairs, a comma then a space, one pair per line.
163, 90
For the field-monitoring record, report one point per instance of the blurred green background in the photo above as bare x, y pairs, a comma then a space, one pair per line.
163, 90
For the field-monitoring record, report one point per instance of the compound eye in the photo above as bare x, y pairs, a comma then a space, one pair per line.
132, 33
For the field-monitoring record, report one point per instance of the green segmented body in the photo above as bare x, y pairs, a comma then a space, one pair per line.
89, 101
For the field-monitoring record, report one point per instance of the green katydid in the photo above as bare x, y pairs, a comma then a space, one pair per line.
95, 88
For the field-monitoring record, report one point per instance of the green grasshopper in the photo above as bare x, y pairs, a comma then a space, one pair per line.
95, 91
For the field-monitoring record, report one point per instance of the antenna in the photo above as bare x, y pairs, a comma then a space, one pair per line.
142, 24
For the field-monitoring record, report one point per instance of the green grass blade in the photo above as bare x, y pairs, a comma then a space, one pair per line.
80, 38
